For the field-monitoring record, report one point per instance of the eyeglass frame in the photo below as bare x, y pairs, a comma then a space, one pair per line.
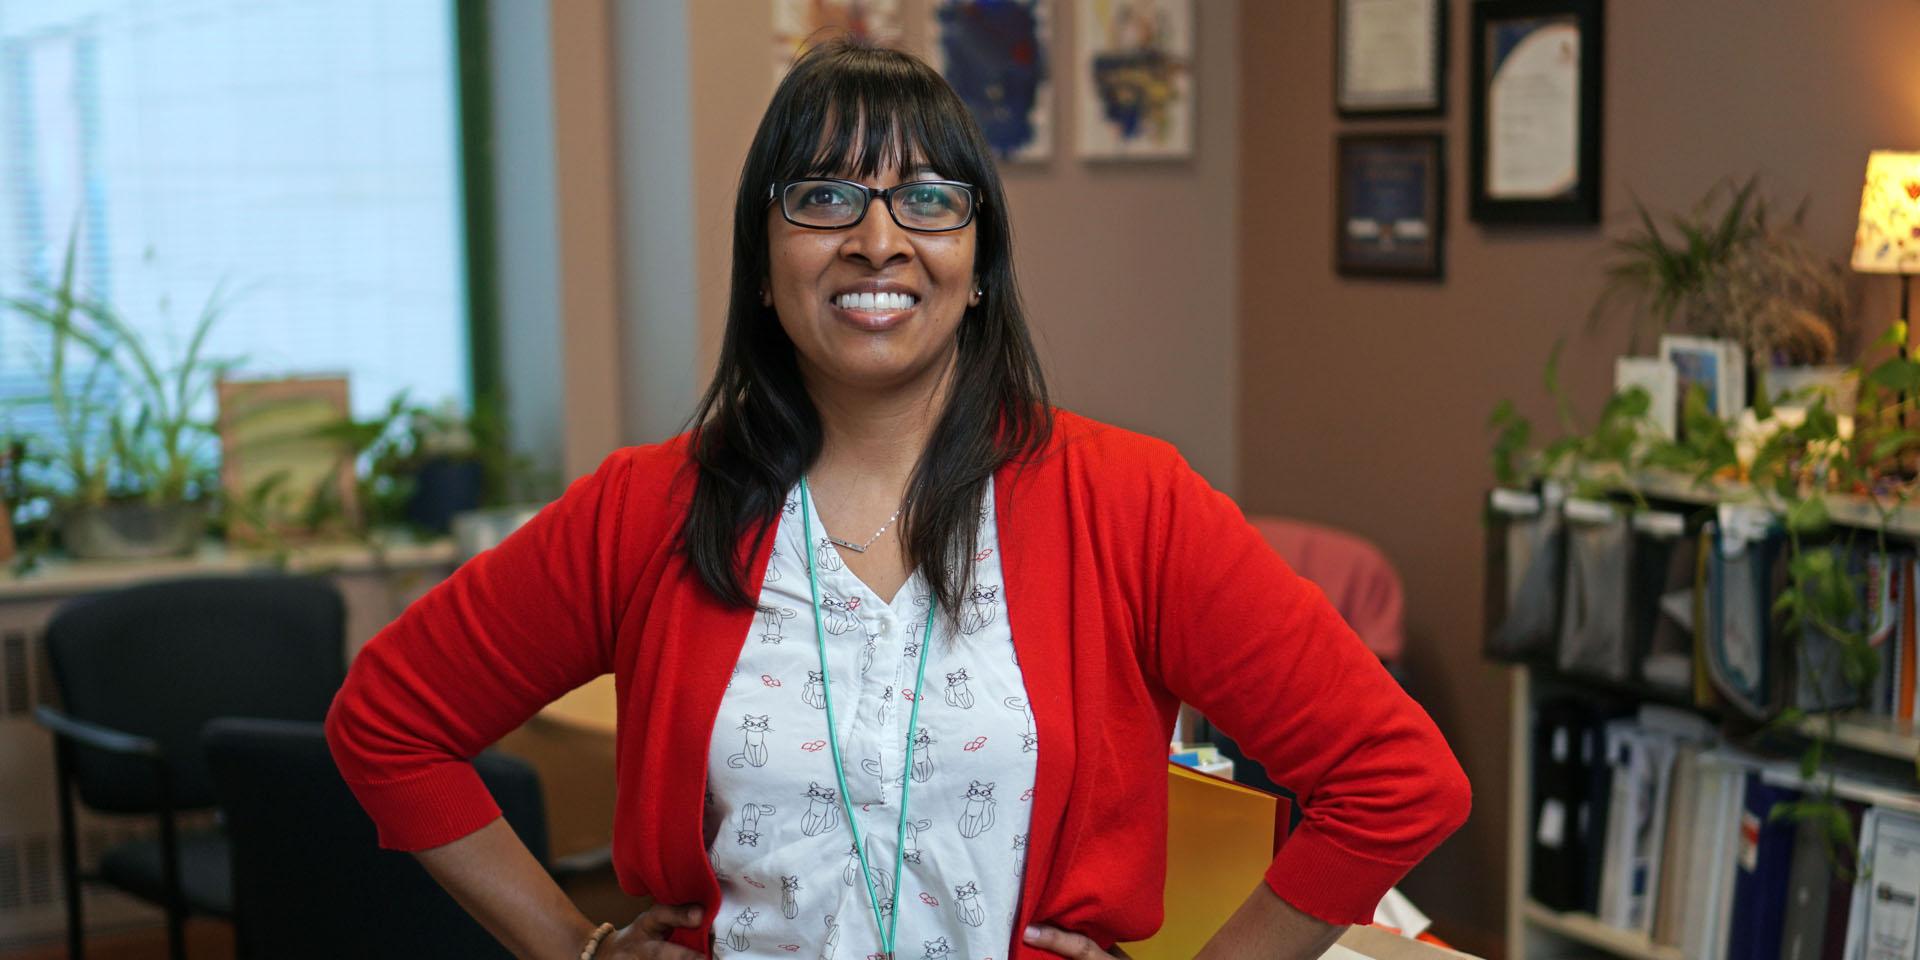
975, 202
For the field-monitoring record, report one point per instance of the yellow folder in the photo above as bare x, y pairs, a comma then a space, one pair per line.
1221, 836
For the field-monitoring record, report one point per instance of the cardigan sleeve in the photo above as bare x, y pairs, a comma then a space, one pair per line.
510, 631
1263, 654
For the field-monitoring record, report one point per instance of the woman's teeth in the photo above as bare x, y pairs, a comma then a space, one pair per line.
875, 302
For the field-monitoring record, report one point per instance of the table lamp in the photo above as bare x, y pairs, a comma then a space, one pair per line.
1888, 240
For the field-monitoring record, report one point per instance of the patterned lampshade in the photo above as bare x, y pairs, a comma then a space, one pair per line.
1889, 237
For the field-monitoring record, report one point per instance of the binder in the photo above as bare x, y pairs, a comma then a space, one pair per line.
1594, 601
1221, 837
1525, 547
1562, 831
1763, 871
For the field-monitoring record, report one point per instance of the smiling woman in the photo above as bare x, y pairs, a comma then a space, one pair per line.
875, 501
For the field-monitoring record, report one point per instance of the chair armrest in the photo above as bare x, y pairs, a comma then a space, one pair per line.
95, 735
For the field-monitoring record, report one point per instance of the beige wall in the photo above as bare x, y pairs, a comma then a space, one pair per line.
1364, 402
1127, 269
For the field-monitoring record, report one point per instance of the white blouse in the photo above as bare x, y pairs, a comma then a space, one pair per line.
789, 877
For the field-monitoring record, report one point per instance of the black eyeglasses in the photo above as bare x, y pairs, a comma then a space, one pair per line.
824, 203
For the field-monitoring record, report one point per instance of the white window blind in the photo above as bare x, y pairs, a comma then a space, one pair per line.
301, 153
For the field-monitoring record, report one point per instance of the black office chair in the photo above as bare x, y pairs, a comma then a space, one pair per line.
309, 878
139, 672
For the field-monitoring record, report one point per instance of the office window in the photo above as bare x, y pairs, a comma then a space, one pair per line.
301, 154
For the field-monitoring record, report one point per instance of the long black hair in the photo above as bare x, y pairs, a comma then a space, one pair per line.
849, 109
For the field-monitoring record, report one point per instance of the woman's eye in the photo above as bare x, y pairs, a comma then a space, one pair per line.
824, 197
927, 198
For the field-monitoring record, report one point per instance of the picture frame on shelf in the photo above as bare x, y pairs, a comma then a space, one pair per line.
1390, 58
1535, 103
1717, 366
279, 428
1660, 379
1390, 205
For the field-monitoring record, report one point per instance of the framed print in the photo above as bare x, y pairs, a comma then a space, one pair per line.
1134, 90
1716, 366
799, 24
1535, 83
997, 54
1390, 205
278, 453
1389, 57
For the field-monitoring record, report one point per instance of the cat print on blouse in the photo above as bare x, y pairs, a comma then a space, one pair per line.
749, 833
957, 694
836, 615
737, 934
977, 818
789, 900
922, 756
982, 608
833, 939
966, 903
823, 810
910, 850
959, 857
773, 623
754, 752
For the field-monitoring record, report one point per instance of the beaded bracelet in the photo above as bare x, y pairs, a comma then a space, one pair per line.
593, 942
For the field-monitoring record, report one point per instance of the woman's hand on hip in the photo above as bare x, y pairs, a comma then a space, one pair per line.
1073, 946
646, 937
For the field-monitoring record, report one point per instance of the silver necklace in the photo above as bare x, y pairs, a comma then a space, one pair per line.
862, 547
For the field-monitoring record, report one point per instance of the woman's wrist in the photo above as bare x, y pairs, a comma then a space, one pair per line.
594, 939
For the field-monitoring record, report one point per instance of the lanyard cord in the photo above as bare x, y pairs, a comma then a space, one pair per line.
889, 927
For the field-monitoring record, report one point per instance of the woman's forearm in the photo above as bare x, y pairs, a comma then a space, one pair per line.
1269, 928
493, 875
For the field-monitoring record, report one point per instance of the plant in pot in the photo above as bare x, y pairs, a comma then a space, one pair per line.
1731, 268
130, 469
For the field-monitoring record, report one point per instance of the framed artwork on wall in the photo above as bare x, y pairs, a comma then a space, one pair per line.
799, 24
1536, 101
1390, 205
998, 55
1135, 79
1390, 58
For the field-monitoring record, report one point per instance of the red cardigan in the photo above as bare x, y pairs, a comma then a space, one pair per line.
1131, 586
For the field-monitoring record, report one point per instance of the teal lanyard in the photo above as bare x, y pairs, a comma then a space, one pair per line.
890, 925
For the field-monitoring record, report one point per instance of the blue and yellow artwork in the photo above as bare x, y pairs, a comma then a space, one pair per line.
1135, 82
994, 53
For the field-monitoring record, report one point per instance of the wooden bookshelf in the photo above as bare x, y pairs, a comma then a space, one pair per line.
1588, 930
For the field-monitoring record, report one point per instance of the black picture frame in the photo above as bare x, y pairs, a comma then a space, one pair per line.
1578, 203
1385, 180
1351, 108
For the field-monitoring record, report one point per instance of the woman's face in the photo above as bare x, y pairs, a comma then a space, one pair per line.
813, 275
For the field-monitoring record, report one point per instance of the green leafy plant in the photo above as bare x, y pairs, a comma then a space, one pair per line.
1730, 267
128, 423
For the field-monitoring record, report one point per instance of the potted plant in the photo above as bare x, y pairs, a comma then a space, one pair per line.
130, 470
1730, 268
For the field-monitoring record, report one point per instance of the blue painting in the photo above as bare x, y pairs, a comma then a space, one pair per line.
994, 53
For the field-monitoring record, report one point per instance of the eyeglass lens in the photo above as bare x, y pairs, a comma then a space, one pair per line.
916, 206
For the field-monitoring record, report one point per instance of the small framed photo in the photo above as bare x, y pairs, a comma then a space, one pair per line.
1390, 58
1390, 205
1718, 367
280, 451
1660, 380
1536, 100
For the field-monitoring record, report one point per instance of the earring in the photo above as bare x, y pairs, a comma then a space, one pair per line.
977, 294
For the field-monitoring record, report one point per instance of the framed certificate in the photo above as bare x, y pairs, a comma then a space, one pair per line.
1535, 126
1390, 205
1390, 57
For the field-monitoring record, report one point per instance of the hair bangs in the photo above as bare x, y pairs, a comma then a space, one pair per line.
862, 121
